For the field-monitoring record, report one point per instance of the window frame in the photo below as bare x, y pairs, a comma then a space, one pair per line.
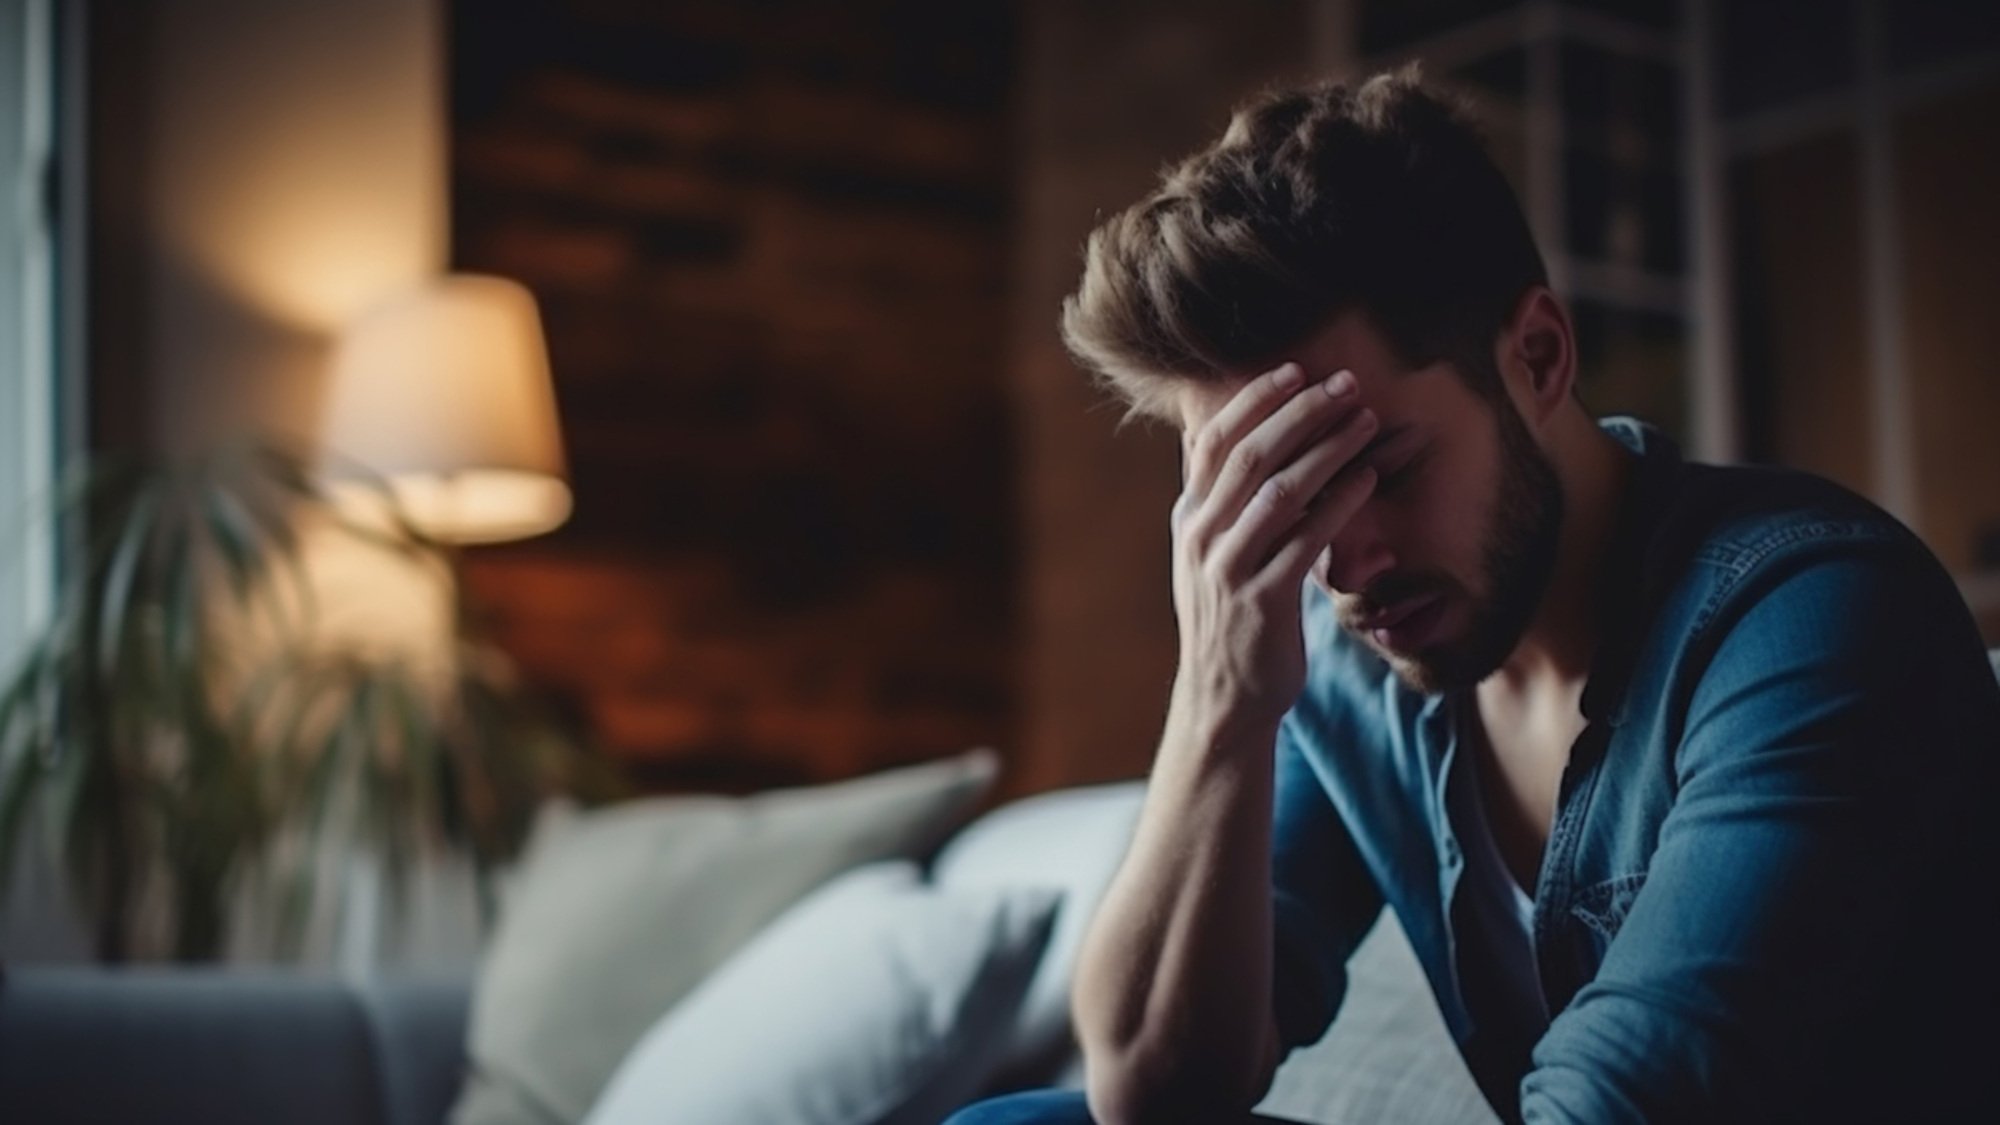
29, 377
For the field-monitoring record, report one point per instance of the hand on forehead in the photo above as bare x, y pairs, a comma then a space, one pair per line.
1348, 343
1237, 402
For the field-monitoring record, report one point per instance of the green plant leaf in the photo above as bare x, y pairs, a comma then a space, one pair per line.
122, 576
240, 542
295, 906
181, 616
141, 762
20, 781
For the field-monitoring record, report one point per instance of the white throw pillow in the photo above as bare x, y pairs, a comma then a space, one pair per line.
877, 1000
618, 913
1073, 840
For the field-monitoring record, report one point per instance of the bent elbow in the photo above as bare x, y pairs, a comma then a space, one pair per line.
1144, 1088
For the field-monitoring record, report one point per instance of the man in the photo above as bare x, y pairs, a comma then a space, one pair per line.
1675, 775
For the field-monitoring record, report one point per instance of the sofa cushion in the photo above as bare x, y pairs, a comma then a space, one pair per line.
877, 1000
1388, 1055
618, 913
1071, 840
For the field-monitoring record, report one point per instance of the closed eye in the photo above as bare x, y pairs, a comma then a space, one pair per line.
1393, 473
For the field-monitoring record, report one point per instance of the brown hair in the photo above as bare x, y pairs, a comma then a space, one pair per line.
1315, 201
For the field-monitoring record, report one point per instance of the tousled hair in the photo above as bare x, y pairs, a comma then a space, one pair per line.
1316, 201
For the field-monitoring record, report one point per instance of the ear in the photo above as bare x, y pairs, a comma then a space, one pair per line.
1537, 355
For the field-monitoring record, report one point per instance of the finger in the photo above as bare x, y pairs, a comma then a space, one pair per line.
1336, 505
1261, 454
1208, 446
1285, 497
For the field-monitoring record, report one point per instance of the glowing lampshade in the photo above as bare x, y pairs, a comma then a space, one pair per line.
443, 392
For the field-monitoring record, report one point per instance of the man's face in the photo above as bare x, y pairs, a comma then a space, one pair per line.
1443, 568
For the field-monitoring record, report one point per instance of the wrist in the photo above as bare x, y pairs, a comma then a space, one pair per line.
1220, 722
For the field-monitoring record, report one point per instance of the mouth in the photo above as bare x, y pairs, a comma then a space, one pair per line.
1406, 625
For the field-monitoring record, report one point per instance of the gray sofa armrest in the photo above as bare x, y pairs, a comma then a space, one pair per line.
227, 1047
417, 1027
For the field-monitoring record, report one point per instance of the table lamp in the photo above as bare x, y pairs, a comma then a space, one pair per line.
442, 394
440, 400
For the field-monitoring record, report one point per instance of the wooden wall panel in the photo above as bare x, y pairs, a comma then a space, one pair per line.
1112, 91
1948, 156
1804, 358
769, 243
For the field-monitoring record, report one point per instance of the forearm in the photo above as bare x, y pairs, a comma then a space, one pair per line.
1173, 993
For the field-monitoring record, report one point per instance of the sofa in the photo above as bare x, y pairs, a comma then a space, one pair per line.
228, 1047
249, 1046
237, 1047
231, 1046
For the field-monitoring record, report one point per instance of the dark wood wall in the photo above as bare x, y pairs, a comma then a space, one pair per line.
769, 242
1111, 91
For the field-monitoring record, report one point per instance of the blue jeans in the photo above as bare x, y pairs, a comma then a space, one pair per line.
1045, 1107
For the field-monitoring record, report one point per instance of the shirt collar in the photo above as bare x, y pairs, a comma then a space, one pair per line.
1628, 590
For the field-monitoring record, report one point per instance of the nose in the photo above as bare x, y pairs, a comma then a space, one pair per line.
1358, 555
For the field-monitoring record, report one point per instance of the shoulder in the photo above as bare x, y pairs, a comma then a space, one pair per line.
1746, 515
1736, 535
1698, 544
1798, 604
1757, 568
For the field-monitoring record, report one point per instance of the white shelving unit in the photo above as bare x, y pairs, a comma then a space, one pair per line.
1865, 106
1534, 122
1634, 267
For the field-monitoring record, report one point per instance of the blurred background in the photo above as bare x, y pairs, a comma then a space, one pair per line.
840, 501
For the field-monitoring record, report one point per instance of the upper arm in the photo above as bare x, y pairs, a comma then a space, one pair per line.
1816, 769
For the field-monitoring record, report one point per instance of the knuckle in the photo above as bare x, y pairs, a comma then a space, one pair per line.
1213, 569
1195, 520
1278, 493
1194, 541
1203, 447
1247, 458
1256, 588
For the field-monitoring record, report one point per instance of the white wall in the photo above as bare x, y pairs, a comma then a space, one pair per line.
296, 171
293, 160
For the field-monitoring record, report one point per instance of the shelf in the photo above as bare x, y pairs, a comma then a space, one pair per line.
1808, 117
1623, 286
1526, 24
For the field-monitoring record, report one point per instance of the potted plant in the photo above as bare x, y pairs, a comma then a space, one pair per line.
177, 718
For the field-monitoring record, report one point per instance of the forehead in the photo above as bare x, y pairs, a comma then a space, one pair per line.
1348, 343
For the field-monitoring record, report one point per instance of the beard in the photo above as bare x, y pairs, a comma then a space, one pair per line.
1517, 556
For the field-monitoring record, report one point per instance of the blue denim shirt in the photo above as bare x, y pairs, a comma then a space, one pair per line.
1766, 894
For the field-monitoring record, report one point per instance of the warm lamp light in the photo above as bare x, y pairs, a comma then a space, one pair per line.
444, 393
